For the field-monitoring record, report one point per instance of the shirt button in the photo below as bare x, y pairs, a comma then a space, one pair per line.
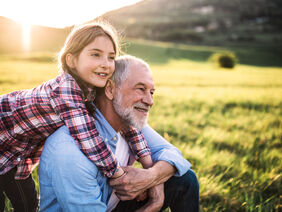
18, 159
114, 138
106, 139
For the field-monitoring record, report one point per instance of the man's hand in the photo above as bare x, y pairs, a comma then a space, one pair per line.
142, 196
136, 180
133, 183
156, 199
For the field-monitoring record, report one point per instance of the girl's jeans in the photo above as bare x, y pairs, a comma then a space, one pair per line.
21, 193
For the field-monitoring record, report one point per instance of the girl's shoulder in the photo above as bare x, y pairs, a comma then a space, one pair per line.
64, 80
64, 77
64, 86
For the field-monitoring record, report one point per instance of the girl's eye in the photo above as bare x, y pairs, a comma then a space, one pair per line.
112, 57
96, 54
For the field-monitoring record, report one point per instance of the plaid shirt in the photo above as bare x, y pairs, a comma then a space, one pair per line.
28, 117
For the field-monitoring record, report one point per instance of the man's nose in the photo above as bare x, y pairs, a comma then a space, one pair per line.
148, 99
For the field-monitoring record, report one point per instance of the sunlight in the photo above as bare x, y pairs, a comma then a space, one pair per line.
49, 13
34, 12
26, 36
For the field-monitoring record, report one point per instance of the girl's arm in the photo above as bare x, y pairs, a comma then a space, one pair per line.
136, 142
146, 161
118, 174
67, 101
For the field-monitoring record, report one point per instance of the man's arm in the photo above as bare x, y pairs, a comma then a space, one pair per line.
162, 150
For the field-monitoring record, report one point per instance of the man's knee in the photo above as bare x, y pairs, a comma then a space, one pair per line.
182, 192
188, 181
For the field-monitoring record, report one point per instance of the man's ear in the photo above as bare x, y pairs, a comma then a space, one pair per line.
70, 60
110, 89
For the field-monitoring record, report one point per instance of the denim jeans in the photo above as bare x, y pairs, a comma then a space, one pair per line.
21, 193
181, 195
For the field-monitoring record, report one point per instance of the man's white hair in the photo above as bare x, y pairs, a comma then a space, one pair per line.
122, 67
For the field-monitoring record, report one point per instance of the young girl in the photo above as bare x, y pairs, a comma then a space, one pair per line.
28, 117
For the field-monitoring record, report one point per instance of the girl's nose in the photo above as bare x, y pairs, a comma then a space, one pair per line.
104, 62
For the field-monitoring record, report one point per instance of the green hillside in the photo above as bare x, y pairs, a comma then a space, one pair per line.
162, 52
212, 22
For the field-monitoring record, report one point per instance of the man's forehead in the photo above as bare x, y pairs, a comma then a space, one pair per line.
139, 73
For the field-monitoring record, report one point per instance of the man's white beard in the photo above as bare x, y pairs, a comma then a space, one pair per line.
127, 114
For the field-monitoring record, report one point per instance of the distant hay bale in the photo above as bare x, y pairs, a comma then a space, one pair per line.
224, 59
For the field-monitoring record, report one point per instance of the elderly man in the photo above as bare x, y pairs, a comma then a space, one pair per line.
70, 182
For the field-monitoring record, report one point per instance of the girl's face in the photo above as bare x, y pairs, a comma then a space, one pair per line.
96, 62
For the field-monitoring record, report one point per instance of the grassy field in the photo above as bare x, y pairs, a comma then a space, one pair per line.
227, 123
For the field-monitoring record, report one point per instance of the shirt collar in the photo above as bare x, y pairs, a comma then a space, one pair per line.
104, 128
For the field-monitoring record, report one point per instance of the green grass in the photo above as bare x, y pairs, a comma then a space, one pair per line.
227, 123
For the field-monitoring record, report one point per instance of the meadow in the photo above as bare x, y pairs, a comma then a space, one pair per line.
226, 122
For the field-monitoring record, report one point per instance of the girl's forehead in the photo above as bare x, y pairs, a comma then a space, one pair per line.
102, 43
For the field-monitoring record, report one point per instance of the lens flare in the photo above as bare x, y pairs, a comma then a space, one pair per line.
26, 36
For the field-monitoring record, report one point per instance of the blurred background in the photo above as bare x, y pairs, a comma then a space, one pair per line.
217, 67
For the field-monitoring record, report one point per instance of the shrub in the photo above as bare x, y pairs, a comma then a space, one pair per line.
224, 60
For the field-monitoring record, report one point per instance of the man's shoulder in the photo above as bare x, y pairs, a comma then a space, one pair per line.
59, 137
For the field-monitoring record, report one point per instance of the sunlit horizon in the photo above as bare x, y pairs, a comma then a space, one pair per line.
53, 13
58, 14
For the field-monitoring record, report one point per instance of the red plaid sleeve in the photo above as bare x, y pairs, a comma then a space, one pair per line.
136, 142
67, 101
25, 167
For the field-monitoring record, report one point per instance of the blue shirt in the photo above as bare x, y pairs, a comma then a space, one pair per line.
69, 181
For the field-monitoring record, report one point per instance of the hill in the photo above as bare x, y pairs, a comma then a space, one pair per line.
204, 22
210, 22
251, 29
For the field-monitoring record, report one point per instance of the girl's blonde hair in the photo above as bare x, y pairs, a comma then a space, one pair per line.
76, 41
83, 35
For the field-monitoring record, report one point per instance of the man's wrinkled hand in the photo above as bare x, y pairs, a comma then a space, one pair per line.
133, 183
155, 201
142, 196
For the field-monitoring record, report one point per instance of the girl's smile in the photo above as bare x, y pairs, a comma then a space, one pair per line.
95, 64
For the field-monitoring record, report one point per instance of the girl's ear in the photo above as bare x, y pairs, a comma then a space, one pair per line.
110, 89
70, 60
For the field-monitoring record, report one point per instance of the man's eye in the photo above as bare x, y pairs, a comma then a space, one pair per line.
112, 57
